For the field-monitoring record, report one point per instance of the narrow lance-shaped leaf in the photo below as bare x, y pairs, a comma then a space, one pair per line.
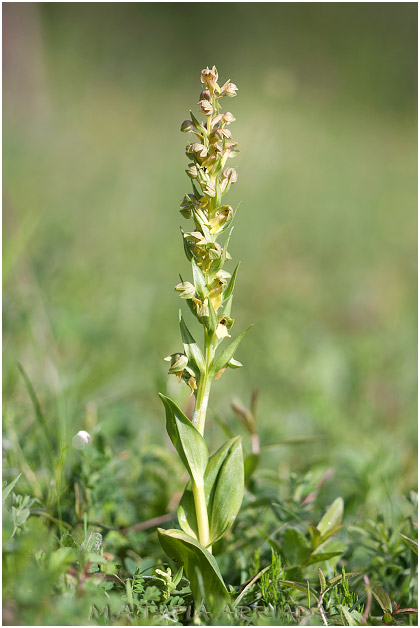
8, 488
228, 353
413, 545
186, 439
199, 281
212, 319
192, 350
229, 289
196, 123
186, 550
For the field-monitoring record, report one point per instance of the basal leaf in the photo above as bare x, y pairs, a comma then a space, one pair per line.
186, 512
228, 488
186, 439
196, 561
223, 488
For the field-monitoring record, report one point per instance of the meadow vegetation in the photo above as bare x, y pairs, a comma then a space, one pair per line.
326, 406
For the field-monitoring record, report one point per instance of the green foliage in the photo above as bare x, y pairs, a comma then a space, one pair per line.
200, 567
223, 488
327, 238
186, 439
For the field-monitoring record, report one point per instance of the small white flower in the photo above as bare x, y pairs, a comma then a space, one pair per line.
81, 440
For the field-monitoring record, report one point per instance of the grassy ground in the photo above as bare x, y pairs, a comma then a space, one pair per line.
93, 174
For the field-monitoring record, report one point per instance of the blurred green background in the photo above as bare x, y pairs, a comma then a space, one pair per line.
93, 175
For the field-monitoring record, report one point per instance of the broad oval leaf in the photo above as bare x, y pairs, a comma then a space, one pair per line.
223, 487
200, 568
226, 498
186, 439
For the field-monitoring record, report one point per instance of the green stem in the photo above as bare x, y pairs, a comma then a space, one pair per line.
206, 380
199, 419
201, 514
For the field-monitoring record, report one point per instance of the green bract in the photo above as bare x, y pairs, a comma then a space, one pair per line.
213, 495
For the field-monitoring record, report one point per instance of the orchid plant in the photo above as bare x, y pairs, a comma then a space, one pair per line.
213, 495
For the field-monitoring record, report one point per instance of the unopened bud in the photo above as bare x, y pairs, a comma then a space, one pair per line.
192, 171
178, 361
210, 189
196, 149
187, 126
206, 107
223, 218
230, 90
209, 76
228, 117
186, 290
231, 174
222, 133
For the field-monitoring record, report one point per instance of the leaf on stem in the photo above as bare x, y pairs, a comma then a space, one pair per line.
197, 561
186, 439
228, 353
223, 488
191, 348
199, 280
229, 289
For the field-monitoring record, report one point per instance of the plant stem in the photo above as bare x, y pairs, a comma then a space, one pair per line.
201, 514
206, 380
199, 419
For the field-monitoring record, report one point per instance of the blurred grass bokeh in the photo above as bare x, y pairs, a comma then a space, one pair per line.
93, 175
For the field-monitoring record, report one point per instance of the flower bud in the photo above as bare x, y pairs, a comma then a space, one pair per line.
228, 117
221, 133
230, 90
231, 174
216, 119
222, 220
186, 290
188, 203
187, 126
206, 107
209, 76
179, 362
210, 189
196, 149
81, 440
192, 171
